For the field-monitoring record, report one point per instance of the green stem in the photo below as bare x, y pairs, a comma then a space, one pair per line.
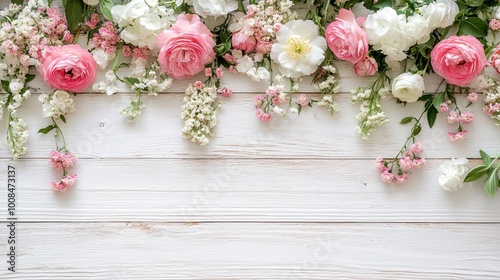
59, 131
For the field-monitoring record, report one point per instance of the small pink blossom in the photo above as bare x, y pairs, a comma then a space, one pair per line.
472, 97
60, 160
443, 108
225, 91
66, 182
387, 176
127, 51
262, 116
142, 52
229, 58
303, 100
198, 85
233, 70
401, 179
406, 163
494, 24
419, 162
417, 148
453, 117
208, 72
366, 67
219, 72
259, 100
459, 136
491, 109
94, 20
272, 91
466, 117
379, 162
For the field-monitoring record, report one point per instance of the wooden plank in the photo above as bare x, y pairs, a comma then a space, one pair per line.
255, 251
264, 190
97, 130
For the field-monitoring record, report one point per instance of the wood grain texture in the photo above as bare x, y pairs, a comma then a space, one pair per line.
97, 130
243, 190
267, 251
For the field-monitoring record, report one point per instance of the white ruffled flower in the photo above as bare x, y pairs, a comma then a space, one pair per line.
206, 8
102, 58
440, 13
142, 21
244, 64
408, 87
259, 74
299, 48
454, 173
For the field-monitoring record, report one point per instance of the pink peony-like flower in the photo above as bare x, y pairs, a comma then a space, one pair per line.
346, 38
186, 47
495, 59
458, 59
243, 42
366, 67
68, 68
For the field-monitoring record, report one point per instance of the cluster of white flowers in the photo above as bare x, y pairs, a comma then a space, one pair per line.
199, 112
393, 34
370, 114
206, 8
328, 88
491, 95
17, 136
57, 104
246, 64
142, 21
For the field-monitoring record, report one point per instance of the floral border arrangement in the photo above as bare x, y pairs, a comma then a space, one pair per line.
270, 41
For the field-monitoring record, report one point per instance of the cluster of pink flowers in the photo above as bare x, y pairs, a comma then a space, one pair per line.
494, 24
107, 37
457, 117
63, 161
396, 171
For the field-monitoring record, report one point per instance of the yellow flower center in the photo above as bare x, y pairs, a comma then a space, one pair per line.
297, 47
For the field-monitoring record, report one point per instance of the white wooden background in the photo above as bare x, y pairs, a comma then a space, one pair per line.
292, 199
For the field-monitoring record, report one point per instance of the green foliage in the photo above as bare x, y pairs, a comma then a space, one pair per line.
474, 26
47, 129
105, 6
490, 169
74, 13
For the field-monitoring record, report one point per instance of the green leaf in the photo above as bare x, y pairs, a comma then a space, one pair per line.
47, 129
105, 6
438, 100
474, 3
476, 173
406, 120
377, 5
18, 2
431, 116
5, 86
74, 13
29, 78
63, 118
131, 80
474, 26
486, 158
491, 184
416, 130
299, 109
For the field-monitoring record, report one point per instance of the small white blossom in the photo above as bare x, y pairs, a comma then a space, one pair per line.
454, 173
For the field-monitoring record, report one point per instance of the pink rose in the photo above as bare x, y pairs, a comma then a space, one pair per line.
459, 60
346, 38
186, 47
68, 68
366, 67
243, 42
495, 59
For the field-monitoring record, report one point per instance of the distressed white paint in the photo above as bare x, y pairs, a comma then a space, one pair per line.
292, 199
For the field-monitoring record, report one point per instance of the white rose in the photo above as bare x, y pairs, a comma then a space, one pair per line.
408, 87
416, 30
91, 2
454, 173
440, 13
101, 58
206, 8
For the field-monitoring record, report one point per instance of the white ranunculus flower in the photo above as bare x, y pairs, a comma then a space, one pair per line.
244, 64
408, 87
454, 173
206, 8
416, 30
91, 2
299, 48
440, 13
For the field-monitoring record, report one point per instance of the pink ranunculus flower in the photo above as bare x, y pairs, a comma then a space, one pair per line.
458, 59
186, 47
68, 68
243, 42
495, 59
366, 67
346, 38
